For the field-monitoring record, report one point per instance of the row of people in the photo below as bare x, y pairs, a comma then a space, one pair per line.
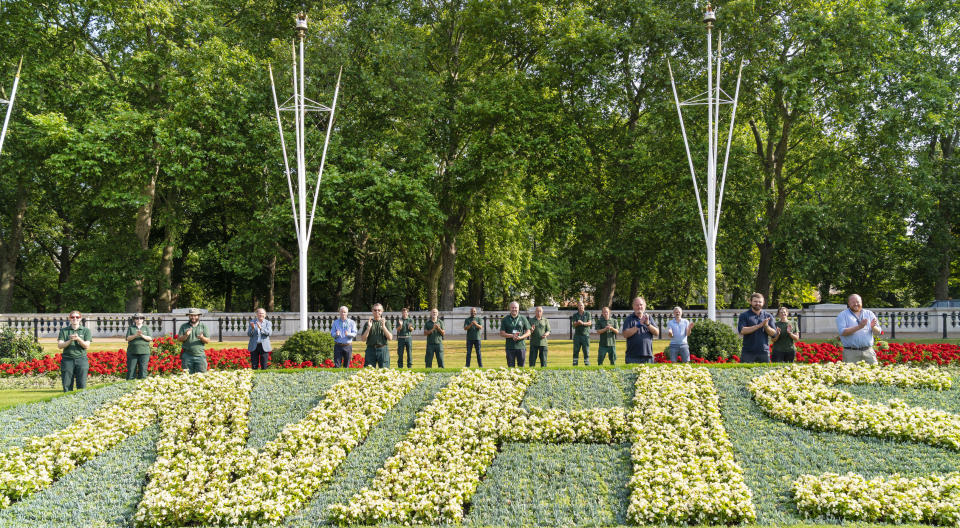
856, 327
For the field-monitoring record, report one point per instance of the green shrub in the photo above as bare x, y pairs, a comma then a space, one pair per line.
713, 340
17, 346
306, 345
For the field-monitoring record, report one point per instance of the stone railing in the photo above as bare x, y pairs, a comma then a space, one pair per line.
817, 319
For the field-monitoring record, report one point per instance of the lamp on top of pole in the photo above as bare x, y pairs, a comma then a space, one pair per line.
712, 99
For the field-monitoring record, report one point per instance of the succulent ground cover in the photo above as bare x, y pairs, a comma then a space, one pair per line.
565, 451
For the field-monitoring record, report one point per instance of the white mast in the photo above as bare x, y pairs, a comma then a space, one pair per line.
13, 94
712, 98
300, 105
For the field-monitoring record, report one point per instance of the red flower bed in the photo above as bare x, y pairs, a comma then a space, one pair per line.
164, 360
898, 353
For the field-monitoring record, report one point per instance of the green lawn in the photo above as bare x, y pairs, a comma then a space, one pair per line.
9, 398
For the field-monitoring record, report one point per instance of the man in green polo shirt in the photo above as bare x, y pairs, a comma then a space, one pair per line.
194, 335
74, 340
404, 339
607, 328
515, 328
473, 325
581, 322
376, 334
539, 330
434, 331
138, 348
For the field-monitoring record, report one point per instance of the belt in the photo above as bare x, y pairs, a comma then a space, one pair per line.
861, 349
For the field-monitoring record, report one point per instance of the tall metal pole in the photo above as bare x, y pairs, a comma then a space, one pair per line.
714, 97
302, 222
13, 94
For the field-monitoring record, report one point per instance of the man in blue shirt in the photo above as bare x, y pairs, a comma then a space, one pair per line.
344, 331
856, 327
638, 329
756, 326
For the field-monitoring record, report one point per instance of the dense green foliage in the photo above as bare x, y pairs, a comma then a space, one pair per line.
305, 345
713, 340
17, 346
483, 151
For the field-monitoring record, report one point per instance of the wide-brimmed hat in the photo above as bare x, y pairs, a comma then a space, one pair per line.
138, 315
194, 311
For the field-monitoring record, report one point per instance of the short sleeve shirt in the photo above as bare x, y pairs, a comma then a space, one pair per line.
434, 338
607, 338
139, 345
74, 350
405, 326
861, 338
473, 333
755, 343
539, 327
640, 344
377, 337
193, 345
784, 343
679, 331
511, 324
580, 330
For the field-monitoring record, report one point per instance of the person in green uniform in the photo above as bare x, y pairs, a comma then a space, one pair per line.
433, 329
74, 340
784, 350
539, 330
194, 335
473, 325
581, 322
376, 334
515, 328
404, 339
607, 328
139, 341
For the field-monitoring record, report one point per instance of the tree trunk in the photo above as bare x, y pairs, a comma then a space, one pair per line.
64, 275
634, 289
141, 229
448, 278
941, 288
356, 296
762, 284
432, 276
607, 289
165, 289
271, 282
10, 249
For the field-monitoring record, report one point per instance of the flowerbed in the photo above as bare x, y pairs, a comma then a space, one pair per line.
804, 395
897, 353
114, 363
684, 470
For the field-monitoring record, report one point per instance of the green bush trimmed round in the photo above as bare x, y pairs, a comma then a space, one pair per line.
305, 345
713, 340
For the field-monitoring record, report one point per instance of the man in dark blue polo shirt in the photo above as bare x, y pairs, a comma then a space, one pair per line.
755, 326
638, 329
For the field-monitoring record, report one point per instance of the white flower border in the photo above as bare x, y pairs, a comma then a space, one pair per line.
684, 468
205, 474
934, 499
804, 395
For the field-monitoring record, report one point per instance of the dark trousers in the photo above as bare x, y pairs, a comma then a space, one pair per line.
755, 357
636, 360
604, 351
73, 372
259, 358
540, 351
435, 349
137, 366
474, 343
404, 343
581, 342
784, 356
377, 357
516, 357
342, 354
